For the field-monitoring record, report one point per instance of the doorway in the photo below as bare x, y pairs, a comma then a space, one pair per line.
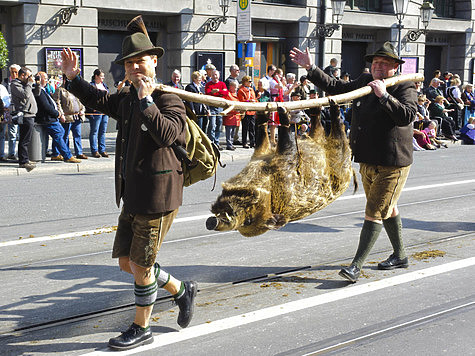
352, 58
432, 62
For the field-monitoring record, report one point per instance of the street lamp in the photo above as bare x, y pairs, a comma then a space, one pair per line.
214, 22
67, 13
427, 10
400, 9
327, 30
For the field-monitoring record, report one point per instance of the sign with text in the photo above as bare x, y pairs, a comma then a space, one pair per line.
244, 31
410, 66
53, 60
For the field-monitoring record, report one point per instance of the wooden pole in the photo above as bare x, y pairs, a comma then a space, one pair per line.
288, 105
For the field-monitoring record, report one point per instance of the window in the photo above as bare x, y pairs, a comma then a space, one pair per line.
365, 5
285, 2
444, 8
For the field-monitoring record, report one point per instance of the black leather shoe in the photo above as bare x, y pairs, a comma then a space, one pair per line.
186, 304
351, 273
133, 337
394, 262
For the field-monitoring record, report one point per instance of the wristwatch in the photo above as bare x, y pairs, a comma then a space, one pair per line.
146, 102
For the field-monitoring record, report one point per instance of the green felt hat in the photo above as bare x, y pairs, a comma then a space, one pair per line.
387, 50
138, 43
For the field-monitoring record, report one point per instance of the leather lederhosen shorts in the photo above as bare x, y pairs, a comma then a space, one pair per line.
139, 237
383, 186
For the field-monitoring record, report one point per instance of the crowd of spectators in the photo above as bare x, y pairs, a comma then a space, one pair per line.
274, 86
445, 109
35, 102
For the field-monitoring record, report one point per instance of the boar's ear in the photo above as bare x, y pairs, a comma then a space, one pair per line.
283, 116
276, 221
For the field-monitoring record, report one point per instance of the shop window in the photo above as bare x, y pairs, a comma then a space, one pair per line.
365, 5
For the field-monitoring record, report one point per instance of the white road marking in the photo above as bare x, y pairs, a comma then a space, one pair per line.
106, 230
382, 331
291, 307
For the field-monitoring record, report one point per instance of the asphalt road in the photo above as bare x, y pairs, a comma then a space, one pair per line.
275, 294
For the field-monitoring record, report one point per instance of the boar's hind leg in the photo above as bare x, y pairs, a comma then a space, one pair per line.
262, 140
337, 128
316, 128
285, 143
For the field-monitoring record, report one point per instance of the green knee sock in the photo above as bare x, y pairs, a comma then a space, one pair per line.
393, 227
161, 276
368, 236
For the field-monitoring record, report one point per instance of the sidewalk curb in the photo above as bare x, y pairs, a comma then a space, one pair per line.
56, 167
95, 165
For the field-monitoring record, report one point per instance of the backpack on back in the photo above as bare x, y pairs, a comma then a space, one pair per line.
200, 159
201, 156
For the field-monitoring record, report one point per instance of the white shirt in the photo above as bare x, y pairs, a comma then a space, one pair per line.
5, 96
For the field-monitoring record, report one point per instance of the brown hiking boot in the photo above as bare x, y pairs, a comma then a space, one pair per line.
57, 158
72, 160
29, 166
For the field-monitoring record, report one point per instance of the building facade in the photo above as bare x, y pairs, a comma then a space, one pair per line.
36, 29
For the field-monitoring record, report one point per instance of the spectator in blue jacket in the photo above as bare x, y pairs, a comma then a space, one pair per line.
48, 115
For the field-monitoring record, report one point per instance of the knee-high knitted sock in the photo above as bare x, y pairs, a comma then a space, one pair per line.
393, 227
163, 278
368, 236
145, 295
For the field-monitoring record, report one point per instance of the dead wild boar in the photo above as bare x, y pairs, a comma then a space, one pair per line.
288, 183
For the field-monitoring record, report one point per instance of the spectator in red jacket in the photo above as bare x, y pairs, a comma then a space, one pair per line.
231, 120
217, 88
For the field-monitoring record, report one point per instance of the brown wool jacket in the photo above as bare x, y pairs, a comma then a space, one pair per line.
381, 132
148, 176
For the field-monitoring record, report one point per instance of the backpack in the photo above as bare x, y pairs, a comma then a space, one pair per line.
200, 159
201, 156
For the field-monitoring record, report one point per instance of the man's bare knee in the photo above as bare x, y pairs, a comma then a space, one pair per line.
124, 264
141, 274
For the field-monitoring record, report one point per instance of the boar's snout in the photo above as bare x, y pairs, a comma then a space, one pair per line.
212, 223
221, 222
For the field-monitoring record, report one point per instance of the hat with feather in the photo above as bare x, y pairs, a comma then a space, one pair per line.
387, 50
138, 43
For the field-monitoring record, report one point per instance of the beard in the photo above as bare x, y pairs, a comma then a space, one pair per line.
149, 71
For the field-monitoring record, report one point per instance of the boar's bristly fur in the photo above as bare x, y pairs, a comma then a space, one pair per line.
287, 183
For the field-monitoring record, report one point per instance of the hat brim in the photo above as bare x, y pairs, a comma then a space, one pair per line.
158, 51
369, 58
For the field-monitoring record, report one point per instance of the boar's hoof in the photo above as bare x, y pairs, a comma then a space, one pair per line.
261, 118
212, 223
283, 116
276, 221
